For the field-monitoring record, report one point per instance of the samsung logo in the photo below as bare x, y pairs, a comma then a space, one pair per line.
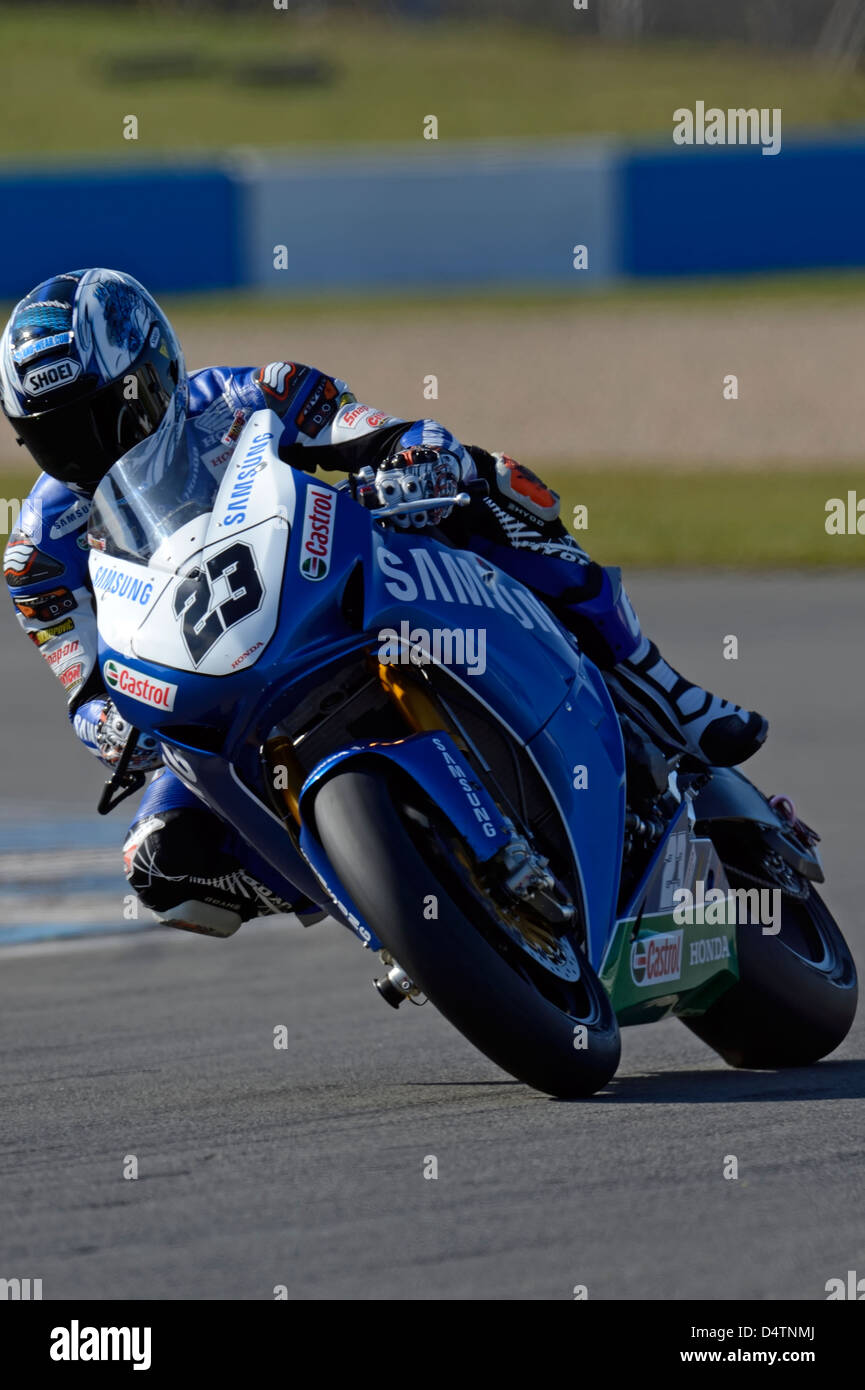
244, 481
112, 581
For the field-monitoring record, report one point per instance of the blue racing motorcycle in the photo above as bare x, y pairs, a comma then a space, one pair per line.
412, 739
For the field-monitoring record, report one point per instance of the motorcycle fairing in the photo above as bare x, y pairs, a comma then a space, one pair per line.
213, 586
691, 977
536, 683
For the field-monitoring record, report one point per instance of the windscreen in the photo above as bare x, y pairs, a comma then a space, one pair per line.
148, 497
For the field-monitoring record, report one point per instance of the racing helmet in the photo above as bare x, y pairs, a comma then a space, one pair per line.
89, 367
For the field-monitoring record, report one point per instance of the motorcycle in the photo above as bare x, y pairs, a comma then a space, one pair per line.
413, 740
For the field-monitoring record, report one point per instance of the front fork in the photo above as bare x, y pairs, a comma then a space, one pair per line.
522, 873
416, 708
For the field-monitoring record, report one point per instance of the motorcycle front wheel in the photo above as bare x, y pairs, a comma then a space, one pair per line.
528, 1001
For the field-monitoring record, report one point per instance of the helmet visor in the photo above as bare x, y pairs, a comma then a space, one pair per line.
78, 443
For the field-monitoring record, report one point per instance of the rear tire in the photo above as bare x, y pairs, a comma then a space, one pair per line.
796, 996
390, 864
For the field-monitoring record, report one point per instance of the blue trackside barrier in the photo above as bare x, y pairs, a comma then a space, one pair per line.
175, 227
496, 213
731, 210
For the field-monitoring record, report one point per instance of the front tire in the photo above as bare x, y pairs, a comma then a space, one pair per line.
392, 852
796, 996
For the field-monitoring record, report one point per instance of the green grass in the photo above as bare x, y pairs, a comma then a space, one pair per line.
738, 519
828, 289
656, 519
480, 80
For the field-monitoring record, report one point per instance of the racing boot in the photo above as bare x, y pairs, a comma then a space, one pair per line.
681, 715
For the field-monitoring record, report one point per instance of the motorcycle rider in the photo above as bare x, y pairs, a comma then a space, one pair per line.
90, 367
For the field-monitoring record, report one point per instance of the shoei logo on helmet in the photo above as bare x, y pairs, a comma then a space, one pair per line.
655, 959
138, 686
317, 541
47, 377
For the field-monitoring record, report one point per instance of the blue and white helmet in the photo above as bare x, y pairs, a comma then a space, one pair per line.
89, 367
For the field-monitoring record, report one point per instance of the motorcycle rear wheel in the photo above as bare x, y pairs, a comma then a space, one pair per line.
796, 996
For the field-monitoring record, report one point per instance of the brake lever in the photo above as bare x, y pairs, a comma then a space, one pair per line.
421, 504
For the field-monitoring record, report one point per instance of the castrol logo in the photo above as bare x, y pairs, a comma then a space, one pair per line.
317, 538
137, 686
655, 959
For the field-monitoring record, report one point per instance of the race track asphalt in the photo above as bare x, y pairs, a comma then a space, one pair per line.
304, 1166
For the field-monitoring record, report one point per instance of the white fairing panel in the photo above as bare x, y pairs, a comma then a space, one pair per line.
208, 601
125, 594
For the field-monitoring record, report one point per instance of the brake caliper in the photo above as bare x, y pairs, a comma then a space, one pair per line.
530, 880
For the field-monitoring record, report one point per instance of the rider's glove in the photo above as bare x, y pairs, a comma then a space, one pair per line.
416, 473
112, 732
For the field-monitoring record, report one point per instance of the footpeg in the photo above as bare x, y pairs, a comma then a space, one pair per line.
395, 986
